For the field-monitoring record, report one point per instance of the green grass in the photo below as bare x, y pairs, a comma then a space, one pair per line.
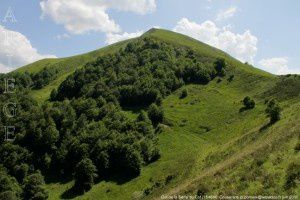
208, 140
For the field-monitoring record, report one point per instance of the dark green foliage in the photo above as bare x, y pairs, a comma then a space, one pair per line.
248, 102
85, 174
8, 195
169, 178
33, 187
202, 190
36, 80
231, 77
149, 151
158, 101
21, 171
273, 111
292, 175
9, 186
220, 66
297, 147
155, 114
43, 77
184, 93
53, 94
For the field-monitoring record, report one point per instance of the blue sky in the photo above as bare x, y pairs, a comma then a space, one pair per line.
264, 33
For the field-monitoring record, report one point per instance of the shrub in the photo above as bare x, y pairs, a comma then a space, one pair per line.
85, 173
155, 114
8, 185
33, 187
248, 103
53, 95
273, 111
158, 101
184, 93
169, 178
292, 175
231, 77
220, 66
8, 195
202, 190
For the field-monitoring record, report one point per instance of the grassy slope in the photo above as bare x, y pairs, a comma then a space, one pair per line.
206, 123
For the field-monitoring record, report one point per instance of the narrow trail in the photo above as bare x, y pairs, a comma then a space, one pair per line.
192, 184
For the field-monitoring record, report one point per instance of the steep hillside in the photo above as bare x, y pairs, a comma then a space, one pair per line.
197, 137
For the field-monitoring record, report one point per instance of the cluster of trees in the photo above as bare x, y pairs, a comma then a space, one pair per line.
60, 136
248, 103
85, 137
32, 80
140, 74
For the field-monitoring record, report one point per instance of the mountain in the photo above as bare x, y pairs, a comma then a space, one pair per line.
212, 140
67, 66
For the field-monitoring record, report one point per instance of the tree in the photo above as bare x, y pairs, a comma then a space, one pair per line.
33, 187
184, 93
131, 162
85, 173
8, 195
248, 102
20, 171
273, 111
220, 66
9, 186
155, 114
53, 95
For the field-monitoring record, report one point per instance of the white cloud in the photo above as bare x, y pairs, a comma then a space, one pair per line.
225, 14
278, 65
113, 38
137, 6
82, 16
242, 46
16, 50
62, 36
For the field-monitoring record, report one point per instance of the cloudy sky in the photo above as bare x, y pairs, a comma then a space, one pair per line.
264, 33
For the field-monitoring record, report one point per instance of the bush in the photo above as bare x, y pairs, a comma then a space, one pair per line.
292, 175
231, 77
33, 187
184, 93
202, 190
220, 66
53, 95
85, 173
155, 114
8, 195
248, 103
273, 111
8, 186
